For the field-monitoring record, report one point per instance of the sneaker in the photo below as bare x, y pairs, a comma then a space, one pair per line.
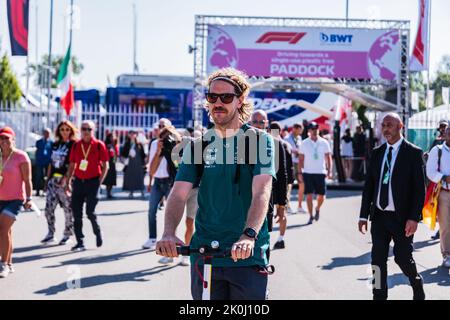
78, 247
4, 270
446, 262
317, 216
436, 236
311, 220
418, 292
161, 206
149, 244
185, 261
301, 210
290, 211
165, 260
65, 240
99, 240
49, 238
11, 268
279, 245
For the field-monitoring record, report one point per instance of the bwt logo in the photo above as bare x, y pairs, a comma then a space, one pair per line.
289, 37
336, 38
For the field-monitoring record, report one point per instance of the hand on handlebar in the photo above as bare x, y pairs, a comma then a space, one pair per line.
167, 246
243, 248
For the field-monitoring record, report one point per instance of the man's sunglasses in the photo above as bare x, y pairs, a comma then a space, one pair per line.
224, 97
86, 129
261, 122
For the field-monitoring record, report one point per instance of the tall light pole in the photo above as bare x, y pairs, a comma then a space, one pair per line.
49, 84
346, 13
135, 66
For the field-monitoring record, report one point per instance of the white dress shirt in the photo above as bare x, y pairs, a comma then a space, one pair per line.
432, 165
395, 149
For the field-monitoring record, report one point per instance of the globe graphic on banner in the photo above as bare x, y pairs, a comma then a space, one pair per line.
222, 50
384, 56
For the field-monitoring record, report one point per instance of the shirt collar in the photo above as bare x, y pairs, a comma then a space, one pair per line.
394, 146
446, 147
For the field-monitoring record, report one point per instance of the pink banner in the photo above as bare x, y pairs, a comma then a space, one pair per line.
304, 63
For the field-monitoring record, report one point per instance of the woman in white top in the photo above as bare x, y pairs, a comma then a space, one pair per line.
347, 153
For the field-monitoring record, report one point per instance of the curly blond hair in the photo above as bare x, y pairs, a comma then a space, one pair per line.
243, 89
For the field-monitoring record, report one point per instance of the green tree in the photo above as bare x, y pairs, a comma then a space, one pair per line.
10, 92
40, 69
417, 84
442, 80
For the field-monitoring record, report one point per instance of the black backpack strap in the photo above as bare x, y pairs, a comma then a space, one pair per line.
249, 157
197, 158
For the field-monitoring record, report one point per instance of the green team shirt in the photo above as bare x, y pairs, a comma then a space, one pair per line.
223, 203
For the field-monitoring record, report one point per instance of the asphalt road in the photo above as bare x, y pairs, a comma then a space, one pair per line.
327, 260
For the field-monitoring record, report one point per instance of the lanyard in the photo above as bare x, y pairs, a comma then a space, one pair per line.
3, 165
85, 154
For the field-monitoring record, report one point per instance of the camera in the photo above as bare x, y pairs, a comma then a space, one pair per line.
169, 142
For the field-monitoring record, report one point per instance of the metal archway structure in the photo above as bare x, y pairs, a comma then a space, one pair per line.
347, 87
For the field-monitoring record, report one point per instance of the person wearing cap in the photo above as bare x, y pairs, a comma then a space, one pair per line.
134, 171
15, 192
43, 159
57, 182
440, 139
315, 165
159, 185
438, 170
295, 140
89, 163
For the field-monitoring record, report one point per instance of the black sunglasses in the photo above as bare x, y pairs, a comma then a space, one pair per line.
224, 97
261, 122
86, 129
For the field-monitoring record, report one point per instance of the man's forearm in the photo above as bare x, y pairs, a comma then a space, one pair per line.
258, 209
329, 164
105, 168
174, 213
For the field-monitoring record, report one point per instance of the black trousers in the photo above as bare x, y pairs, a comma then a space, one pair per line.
230, 283
386, 227
85, 191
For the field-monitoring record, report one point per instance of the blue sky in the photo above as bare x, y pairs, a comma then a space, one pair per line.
103, 40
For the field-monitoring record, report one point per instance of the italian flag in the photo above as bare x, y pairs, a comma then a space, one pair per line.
64, 77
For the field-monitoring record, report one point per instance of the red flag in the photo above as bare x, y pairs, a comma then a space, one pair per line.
419, 58
18, 26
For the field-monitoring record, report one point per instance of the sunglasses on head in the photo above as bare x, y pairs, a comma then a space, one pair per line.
224, 97
86, 129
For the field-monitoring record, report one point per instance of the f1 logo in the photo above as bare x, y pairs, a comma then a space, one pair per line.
289, 37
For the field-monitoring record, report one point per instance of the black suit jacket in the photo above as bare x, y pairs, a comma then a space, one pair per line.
408, 183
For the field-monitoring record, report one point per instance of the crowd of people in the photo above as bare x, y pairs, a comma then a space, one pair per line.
233, 192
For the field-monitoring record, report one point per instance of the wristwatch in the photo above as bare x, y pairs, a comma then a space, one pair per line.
251, 233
